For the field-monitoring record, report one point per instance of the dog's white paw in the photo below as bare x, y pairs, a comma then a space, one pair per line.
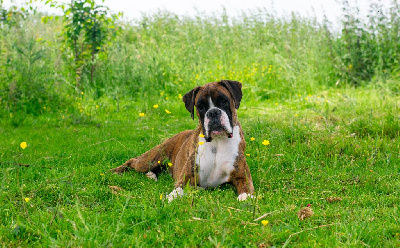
151, 175
174, 194
244, 196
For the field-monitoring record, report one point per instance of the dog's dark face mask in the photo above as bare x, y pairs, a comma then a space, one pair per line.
215, 104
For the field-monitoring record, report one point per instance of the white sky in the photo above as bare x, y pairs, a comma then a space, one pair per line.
134, 8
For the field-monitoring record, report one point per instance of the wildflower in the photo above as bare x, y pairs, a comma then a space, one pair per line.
23, 145
306, 98
44, 107
82, 93
264, 222
276, 104
166, 98
158, 161
170, 164
265, 142
97, 106
27, 199
155, 106
161, 197
168, 112
201, 142
102, 174
201, 135
141, 114
252, 139
162, 93
247, 154
180, 96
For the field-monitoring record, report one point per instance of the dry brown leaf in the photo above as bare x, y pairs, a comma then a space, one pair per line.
305, 213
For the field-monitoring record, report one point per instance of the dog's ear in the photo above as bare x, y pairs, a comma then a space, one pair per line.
189, 98
235, 88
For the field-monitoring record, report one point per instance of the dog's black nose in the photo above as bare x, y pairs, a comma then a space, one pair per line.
214, 113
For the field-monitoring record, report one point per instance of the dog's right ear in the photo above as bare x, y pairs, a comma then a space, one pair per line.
189, 98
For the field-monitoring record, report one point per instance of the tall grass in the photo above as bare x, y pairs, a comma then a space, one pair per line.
275, 57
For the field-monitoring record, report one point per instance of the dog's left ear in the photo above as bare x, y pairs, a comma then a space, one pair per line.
189, 98
235, 88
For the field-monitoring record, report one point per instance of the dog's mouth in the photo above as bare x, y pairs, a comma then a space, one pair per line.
217, 133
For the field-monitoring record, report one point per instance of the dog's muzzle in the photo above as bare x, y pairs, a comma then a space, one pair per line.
216, 124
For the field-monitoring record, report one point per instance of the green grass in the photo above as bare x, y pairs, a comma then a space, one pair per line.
338, 143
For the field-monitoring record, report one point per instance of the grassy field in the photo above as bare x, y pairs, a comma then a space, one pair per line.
337, 150
328, 102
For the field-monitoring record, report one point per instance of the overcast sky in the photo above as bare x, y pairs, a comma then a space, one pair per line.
134, 8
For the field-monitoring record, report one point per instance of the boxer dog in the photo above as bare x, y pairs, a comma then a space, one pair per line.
208, 156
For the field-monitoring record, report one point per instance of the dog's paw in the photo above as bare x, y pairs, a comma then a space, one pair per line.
151, 175
244, 196
174, 194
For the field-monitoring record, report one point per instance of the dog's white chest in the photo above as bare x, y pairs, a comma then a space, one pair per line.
216, 159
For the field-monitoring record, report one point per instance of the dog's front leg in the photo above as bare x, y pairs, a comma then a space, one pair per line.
242, 181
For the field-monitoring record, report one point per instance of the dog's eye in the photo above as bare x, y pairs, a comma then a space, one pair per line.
224, 102
201, 107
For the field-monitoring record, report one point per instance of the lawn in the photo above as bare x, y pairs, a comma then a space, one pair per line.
336, 151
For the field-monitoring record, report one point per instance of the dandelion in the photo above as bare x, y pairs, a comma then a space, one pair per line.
155, 106
161, 197
101, 174
27, 199
168, 112
162, 93
264, 222
247, 154
265, 142
97, 106
201, 135
23, 145
252, 139
180, 96
141, 114
170, 164
158, 161
201, 142
166, 98
276, 104
44, 107
306, 98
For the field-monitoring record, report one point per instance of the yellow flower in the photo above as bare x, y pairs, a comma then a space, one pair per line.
82, 93
155, 106
168, 112
97, 106
264, 222
169, 164
252, 139
180, 96
102, 174
276, 104
265, 142
158, 161
27, 199
248, 154
161, 197
162, 93
306, 98
201, 142
23, 145
141, 114
44, 107
201, 135
166, 98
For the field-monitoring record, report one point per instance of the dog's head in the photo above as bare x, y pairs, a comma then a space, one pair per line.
216, 105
